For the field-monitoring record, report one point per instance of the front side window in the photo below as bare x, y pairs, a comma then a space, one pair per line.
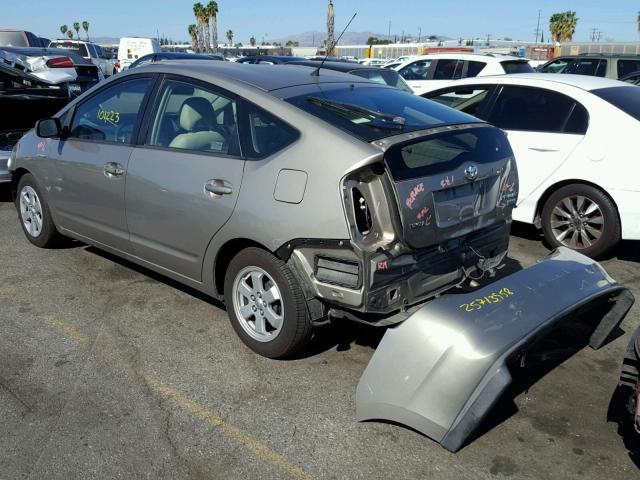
190, 117
557, 66
416, 71
265, 134
595, 67
535, 110
111, 114
468, 100
448, 70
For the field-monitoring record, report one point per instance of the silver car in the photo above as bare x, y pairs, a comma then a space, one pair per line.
295, 196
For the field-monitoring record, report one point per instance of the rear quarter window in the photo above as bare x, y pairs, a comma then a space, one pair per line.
517, 67
625, 98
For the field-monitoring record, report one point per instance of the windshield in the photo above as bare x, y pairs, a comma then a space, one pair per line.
79, 48
517, 66
384, 77
625, 98
13, 39
372, 112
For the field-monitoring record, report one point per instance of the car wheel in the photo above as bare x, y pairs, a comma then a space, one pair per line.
34, 213
265, 304
582, 218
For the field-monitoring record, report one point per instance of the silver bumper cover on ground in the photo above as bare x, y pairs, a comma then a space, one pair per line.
441, 370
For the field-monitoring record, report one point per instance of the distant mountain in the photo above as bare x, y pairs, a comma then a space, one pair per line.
310, 39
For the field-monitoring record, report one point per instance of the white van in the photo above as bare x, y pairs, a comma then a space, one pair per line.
132, 48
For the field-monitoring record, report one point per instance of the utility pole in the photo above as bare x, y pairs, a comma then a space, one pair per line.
389, 34
488, 39
419, 33
538, 27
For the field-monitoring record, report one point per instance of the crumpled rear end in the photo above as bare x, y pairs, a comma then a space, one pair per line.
441, 370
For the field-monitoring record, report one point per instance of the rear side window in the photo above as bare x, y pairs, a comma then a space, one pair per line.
468, 100
534, 110
625, 98
448, 70
444, 152
264, 134
474, 68
625, 67
516, 66
111, 114
416, 71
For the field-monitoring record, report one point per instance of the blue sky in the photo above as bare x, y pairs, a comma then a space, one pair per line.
616, 19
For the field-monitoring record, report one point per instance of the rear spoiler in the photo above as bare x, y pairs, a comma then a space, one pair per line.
443, 369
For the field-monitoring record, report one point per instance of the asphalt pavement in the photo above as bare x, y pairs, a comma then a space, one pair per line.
108, 370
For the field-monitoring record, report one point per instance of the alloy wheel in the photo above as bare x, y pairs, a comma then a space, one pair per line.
31, 211
258, 304
577, 222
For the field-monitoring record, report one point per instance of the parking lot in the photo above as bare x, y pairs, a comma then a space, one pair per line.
108, 370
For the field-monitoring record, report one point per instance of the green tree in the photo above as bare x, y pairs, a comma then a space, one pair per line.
69, 34
230, 37
212, 13
85, 27
562, 26
199, 13
76, 27
193, 33
252, 41
64, 29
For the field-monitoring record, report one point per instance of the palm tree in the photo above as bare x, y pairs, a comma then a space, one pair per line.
562, 26
330, 20
212, 13
64, 29
193, 33
252, 41
198, 12
230, 37
70, 34
85, 27
76, 27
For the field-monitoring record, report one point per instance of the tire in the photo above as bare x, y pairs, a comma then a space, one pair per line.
272, 327
582, 218
35, 215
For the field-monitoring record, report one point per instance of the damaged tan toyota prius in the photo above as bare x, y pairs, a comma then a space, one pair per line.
299, 196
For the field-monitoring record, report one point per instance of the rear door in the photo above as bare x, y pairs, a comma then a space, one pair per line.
91, 164
184, 180
544, 127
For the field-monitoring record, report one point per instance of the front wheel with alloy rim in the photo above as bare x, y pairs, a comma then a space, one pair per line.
265, 304
35, 216
582, 218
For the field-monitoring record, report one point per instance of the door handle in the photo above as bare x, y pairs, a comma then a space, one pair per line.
113, 169
218, 187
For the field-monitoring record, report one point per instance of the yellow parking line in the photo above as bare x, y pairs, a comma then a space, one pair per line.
249, 441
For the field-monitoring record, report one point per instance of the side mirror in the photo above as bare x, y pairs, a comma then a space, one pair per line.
48, 128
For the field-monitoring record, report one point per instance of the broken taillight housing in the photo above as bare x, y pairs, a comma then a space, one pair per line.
361, 212
60, 62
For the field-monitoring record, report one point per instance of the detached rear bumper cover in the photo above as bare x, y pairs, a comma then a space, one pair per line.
441, 370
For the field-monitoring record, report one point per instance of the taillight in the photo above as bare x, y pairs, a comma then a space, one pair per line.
60, 62
361, 212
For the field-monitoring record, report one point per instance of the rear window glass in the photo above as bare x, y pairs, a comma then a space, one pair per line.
517, 67
444, 152
384, 77
626, 98
13, 39
79, 48
391, 111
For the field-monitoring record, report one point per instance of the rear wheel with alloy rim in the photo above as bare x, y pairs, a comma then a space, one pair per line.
265, 304
582, 218
35, 216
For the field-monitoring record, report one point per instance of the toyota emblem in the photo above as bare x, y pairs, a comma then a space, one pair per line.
471, 172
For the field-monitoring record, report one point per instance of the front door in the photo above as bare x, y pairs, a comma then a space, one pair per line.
91, 164
182, 185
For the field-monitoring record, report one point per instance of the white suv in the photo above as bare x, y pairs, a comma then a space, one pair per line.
90, 51
425, 72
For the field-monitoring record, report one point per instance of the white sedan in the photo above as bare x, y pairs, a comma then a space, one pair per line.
575, 139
